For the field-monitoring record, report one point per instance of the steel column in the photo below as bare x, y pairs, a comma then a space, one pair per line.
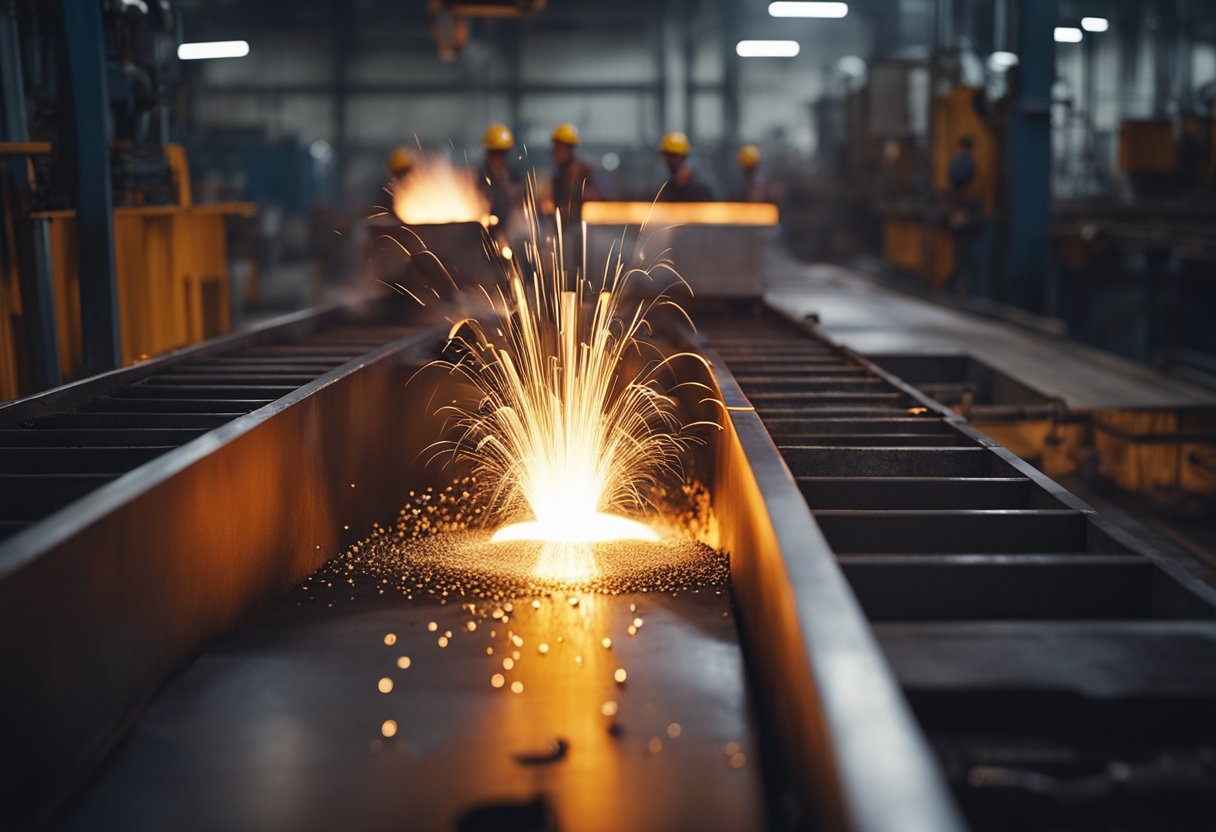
32, 251
342, 20
690, 60
88, 140
1028, 157
730, 76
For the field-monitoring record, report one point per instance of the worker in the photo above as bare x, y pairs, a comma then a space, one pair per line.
962, 165
966, 221
683, 184
755, 185
400, 163
573, 179
497, 179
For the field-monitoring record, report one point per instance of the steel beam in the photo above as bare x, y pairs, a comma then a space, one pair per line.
210, 506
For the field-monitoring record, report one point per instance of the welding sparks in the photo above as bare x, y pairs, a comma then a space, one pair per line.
571, 425
437, 192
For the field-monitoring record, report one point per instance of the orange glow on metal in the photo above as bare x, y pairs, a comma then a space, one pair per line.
578, 528
437, 192
680, 213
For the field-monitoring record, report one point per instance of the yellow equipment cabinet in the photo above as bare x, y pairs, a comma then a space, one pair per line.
918, 238
1147, 146
172, 267
920, 247
172, 271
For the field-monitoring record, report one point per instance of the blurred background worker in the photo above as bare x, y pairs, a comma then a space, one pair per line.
755, 184
966, 219
683, 184
573, 179
497, 179
400, 163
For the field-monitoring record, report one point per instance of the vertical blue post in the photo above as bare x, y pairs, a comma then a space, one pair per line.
32, 247
89, 140
1028, 157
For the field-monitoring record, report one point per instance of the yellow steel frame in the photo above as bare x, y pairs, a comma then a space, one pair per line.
172, 266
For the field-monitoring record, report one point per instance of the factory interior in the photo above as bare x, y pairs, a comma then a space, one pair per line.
566, 415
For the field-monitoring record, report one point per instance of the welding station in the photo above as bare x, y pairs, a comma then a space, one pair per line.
557, 415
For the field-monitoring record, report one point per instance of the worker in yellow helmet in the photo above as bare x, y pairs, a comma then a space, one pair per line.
499, 182
400, 163
755, 186
683, 184
573, 179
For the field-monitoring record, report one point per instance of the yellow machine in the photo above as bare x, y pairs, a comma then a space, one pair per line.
913, 244
1147, 146
173, 282
922, 242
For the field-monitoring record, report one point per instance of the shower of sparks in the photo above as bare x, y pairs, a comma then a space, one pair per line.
572, 428
438, 192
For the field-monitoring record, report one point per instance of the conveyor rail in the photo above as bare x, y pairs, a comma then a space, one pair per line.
1040, 648
54, 450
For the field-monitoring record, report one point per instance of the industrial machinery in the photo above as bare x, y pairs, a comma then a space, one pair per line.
105, 258
919, 630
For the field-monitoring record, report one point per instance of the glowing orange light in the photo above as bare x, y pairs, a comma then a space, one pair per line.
577, 528
680, 213
437, 192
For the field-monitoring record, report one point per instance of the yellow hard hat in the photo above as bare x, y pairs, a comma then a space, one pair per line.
498, 137
566, 134
400, 160
749, 156
674, 142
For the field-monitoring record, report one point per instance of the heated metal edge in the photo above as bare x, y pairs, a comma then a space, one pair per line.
849, 745
103, 600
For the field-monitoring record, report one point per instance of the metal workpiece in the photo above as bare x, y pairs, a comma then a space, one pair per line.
920, 631
166, 540
280, 724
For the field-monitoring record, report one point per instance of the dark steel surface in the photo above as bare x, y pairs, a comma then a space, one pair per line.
1037, 644
117, 422
277, 727
101, 600
847, 753
971, 563
272, 727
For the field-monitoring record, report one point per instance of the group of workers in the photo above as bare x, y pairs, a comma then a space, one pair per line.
573, 180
